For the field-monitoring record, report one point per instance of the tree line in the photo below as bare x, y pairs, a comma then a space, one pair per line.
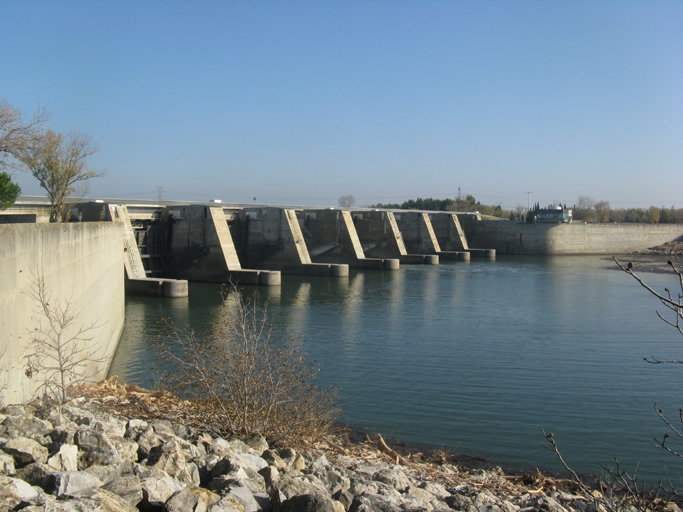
460, 204
584, 210
56, 160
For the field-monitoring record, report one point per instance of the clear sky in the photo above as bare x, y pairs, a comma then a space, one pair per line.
300, 102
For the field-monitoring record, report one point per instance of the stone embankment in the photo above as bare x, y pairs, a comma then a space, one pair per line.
83, 456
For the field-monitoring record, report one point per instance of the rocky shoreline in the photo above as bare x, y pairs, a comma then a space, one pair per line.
112, 451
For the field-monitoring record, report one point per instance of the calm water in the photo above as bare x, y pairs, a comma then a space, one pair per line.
475, 356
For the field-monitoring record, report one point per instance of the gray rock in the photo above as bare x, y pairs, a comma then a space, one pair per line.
25, 451
34, 473
246, 498
459, 502
170, 458
66, 458
136, 423
547, 504
111, 471
126, 448
157, 490
257, 443
436, 489
373, 503
184, 432
127, 487
230, 503
14, 492
72, 483
273, 459
290, 485
192, 499
96, 448
343, 497
25, 426
6, 464
393, 477
147, 440
307, 503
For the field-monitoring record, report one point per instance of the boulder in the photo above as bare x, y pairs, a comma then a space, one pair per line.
96, 448
307, 503
66, 458
192, 499
393, 477
14, 492
127, 487
72, 483
6, 464
156, 490
25, 426
25, 451
170, 458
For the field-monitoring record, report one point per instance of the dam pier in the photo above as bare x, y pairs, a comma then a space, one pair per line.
255, 244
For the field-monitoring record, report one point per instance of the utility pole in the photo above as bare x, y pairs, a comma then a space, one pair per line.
528, 201
160, 195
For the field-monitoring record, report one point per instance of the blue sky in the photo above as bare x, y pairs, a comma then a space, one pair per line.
298, 102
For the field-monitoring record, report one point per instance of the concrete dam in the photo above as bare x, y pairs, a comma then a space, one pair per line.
217, 242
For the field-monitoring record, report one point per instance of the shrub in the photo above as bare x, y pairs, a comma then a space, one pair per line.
243, 379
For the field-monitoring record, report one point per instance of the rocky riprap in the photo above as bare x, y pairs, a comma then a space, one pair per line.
80, 457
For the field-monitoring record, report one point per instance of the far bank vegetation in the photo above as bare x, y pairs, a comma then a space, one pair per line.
585, 209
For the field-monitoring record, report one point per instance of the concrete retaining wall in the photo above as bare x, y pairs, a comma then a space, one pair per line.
508, 237
82, 263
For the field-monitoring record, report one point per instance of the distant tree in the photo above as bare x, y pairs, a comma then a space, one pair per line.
347, 201
58, 162
9, 191
655, 214
17, 135
602, 210
583, 208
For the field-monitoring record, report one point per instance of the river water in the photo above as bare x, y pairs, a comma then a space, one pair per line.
478, 357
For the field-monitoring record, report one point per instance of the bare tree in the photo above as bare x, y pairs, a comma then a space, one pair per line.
17, 135
520, 210
602, 210
60, 349
347, 201
58, 162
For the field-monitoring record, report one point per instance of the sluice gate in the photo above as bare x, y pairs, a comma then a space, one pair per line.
169, 243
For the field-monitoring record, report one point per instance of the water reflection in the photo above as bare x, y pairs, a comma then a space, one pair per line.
478, 356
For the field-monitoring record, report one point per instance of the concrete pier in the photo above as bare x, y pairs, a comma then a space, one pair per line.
137, 282
420, 237
274, 239
381, 237
451, 237
331, 237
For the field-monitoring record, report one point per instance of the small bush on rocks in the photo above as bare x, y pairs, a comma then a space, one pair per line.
243, 380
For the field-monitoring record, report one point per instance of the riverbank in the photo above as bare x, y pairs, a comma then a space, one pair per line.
123, 449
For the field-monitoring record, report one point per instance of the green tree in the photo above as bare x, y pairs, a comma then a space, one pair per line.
58, 162
602, 210
8, 191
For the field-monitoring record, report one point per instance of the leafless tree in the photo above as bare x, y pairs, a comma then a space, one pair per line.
347, 201
521, 211
61, 350
18, 134
58, 162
